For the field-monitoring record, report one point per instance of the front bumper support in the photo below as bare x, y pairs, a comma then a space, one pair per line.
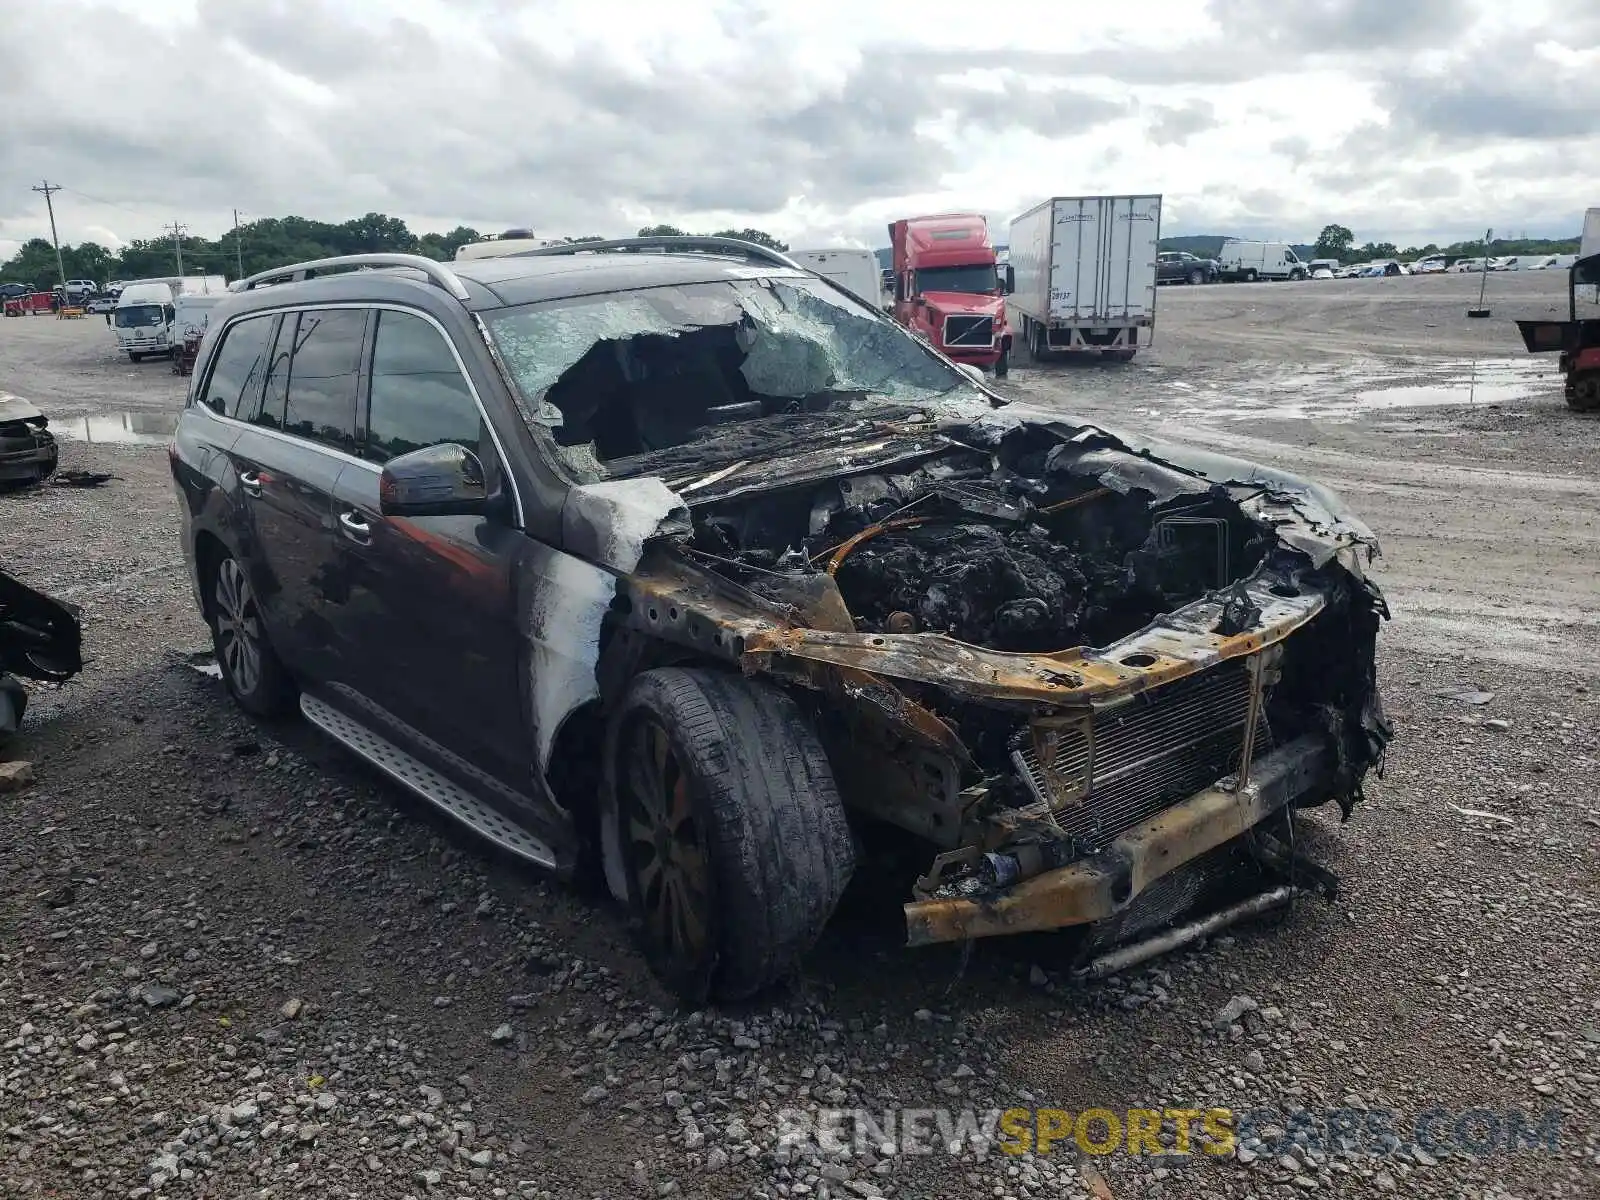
1102, 885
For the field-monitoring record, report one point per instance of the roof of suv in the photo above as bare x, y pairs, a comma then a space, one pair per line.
518, 279
514, 279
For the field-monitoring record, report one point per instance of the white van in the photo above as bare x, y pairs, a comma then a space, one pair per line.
143, 318
1251, 261
854, 270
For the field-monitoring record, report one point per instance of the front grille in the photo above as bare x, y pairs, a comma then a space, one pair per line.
1150, 753
968, 332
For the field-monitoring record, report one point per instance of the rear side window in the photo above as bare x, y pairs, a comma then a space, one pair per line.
323, 376
237, 369
419, 396
274, 395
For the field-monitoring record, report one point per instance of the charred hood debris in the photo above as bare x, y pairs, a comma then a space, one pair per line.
1096, 674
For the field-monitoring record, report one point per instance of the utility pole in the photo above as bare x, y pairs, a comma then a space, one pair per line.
238, 245
177, 241
49, 189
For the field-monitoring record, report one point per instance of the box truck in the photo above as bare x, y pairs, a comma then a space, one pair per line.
146, 308
1591, 234
854, 270
949, 290
1085, 275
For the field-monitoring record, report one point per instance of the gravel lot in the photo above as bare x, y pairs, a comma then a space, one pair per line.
238, 964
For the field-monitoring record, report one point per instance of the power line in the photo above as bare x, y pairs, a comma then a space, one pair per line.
49, 190
107, 203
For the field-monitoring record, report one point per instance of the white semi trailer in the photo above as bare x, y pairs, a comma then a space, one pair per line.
1085, 275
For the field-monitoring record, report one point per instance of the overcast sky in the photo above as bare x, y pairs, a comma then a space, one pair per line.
1408, 120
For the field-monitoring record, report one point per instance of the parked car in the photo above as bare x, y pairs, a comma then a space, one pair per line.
10, 291
1330, 265
1387, 267
1467, 264
100, 304
1434, 264
78, 289
27, 447
1179, 266
1505, 263
660, 560
1536, 262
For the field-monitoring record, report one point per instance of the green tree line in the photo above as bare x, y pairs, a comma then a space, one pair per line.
1336, 241
258, 246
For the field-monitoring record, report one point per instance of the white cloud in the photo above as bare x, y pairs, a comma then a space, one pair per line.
820, 122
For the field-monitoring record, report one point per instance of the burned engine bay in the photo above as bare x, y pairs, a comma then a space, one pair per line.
1030, 642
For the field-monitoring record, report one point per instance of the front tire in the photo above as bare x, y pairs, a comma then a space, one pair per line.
1196, 278
251, 669
734, 840
1002, 365
1250, 276
132, 357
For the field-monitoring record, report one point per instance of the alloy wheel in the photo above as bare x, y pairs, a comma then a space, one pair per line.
665, 848
238, 626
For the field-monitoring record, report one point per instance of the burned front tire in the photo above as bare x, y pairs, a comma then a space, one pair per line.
732, 835
250, 667
1002, 365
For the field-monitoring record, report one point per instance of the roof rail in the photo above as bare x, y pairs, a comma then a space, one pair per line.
436, 272
681, 243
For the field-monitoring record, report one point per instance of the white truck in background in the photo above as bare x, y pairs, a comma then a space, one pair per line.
1250, 261
854, 270
1591, 234
147, 309
1085, 269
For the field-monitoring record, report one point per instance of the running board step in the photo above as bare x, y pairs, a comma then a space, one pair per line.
412, 773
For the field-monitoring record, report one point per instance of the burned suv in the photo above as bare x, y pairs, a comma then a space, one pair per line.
670, 562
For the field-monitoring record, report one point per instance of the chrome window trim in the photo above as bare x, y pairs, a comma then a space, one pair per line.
375, 468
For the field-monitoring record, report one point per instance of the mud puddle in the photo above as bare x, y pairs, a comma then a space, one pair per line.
1343, 392
122, 429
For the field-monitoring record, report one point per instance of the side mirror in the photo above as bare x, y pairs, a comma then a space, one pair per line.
1009, 282
435, 481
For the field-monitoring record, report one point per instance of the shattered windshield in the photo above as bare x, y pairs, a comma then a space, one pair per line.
639, 382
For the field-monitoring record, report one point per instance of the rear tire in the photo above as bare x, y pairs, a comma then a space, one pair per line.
734, 840
251, 669
1583, 392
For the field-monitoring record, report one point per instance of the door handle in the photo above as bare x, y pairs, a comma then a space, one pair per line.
250, 481
355, 526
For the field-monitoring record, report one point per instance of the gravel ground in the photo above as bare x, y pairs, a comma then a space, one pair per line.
239, 964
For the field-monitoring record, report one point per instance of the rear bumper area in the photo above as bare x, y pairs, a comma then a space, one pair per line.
1104, 884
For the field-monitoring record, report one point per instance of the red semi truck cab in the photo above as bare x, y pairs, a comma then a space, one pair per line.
949, 289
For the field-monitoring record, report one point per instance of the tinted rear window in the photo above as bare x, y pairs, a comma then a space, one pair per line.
240, 363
